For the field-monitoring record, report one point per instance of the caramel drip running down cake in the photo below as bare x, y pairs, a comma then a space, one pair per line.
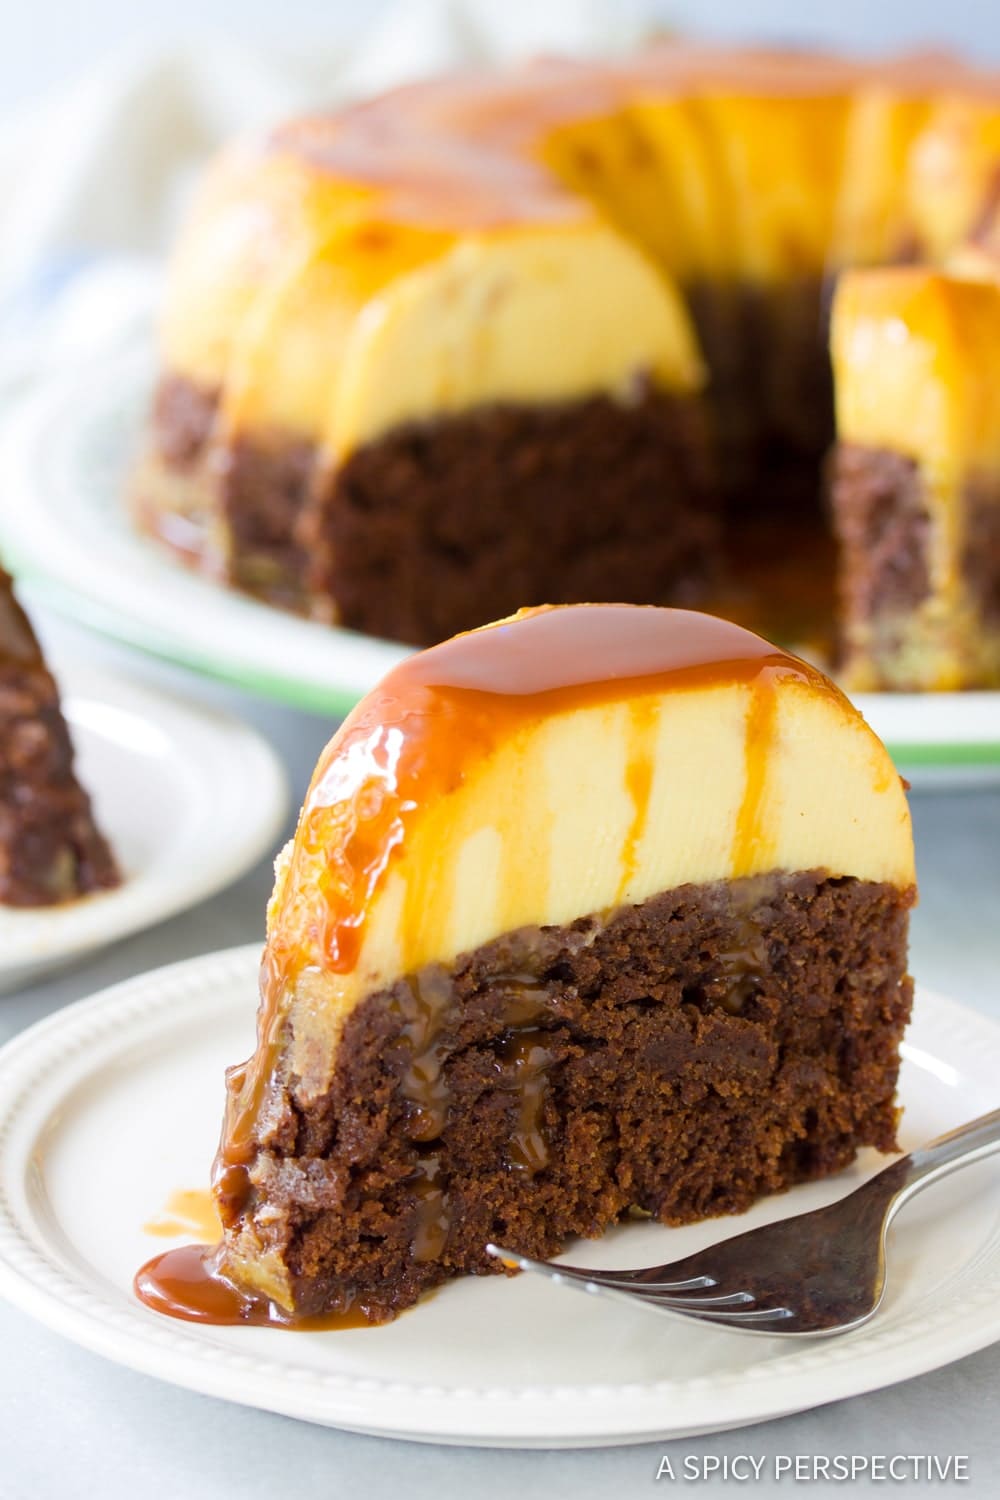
50, 847
597, 911
560, 333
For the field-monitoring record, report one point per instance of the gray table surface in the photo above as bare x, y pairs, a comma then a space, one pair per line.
73, 1424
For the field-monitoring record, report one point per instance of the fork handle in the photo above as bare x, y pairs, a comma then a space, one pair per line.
949, 1152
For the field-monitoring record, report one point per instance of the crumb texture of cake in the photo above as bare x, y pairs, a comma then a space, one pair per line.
599, 910
387, 326
51, 850
406, 556
677, 1061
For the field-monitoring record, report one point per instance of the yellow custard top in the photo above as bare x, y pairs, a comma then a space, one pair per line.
470, 225
556, 764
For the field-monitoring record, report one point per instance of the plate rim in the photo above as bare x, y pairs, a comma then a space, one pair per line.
480, 1415
20, 431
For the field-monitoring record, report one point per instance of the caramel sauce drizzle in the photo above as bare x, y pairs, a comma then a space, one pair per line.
433, 1220
187, 1211
466, 150
745, 962
407, 745
749, 835
188, 1283
643, 725
422, 1001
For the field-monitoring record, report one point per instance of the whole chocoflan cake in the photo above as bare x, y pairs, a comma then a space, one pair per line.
51, 850
560, 333
595, 912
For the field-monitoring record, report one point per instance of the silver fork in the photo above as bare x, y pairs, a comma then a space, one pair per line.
816, 1274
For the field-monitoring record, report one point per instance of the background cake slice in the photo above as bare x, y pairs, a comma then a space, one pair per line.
598, 910
916, 478
50, 847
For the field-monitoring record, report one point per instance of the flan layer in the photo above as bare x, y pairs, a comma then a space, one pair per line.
916, 361
749, 167
735, 163
715, 165
565, 234
446, 811
595, 827
355, 322
345, 345
952, 170
916, 486
343, 326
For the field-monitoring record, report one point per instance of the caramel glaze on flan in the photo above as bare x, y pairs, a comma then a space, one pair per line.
597, 911
551, 335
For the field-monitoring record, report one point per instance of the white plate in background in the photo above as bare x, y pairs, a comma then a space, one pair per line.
188, 798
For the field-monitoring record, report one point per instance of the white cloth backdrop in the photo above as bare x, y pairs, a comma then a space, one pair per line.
92, 181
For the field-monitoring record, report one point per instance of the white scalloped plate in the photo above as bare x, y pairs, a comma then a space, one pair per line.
66, 449
110, 1106
188, 798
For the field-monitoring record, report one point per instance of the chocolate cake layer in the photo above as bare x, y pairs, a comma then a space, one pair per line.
883, 524
50, 847
173, 494
883, 527
440, 526
183, 417
263, 485
231, 507
437, 527
675, 1059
